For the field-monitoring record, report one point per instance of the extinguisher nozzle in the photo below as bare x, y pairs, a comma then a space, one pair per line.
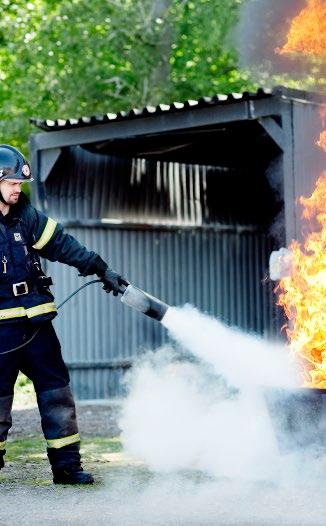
145, 303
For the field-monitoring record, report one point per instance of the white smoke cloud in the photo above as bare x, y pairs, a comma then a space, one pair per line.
174, 420
209, 415
226, 437
243, 359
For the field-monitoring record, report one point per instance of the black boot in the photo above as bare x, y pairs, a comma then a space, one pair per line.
66, 466
72, 474
2, 462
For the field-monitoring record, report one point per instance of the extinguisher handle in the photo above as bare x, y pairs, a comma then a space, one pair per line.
123, 284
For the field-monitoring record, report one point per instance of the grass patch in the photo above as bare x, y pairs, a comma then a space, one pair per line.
30, 450
24, 392
27, 464
25, 450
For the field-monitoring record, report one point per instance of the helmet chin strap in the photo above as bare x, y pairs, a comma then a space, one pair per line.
2, 199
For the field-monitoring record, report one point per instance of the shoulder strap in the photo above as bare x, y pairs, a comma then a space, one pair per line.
3, 229
27, 222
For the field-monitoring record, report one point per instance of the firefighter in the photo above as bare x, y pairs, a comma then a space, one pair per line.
26, 310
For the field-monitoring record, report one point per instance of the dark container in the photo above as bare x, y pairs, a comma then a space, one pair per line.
299, 417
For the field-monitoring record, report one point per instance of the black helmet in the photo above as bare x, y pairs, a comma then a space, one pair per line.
13, 164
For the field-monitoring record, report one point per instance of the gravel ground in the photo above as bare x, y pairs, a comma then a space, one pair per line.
126, 493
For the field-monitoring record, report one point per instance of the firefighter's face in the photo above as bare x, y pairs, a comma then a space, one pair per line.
10, 190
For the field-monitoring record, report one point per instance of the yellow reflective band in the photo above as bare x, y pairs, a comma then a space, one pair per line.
2, 445
57, 443
16, 312
40, 309
19, 312
46, 234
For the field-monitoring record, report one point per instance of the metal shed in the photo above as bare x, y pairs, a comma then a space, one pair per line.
187, 200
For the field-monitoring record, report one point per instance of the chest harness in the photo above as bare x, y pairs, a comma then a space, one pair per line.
24, 288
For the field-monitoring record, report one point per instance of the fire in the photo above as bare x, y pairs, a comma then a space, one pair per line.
303, 293
307, 33
322, 140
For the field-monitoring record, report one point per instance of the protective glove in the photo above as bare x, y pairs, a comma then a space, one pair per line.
2, 453
113, 282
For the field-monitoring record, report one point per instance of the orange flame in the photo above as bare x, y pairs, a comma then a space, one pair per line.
322, 140
304, 292
307, 33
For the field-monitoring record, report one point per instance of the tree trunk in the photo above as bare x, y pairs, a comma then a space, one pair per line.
161, 74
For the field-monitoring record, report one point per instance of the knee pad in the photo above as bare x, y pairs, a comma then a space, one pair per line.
58, 417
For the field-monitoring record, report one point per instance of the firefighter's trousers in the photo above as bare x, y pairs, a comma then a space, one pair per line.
42, 362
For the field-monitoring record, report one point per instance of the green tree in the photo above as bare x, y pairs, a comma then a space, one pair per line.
203, 62
69, 58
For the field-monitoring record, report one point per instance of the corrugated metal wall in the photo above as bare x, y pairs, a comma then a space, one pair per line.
86, 186
309, 158
163, 230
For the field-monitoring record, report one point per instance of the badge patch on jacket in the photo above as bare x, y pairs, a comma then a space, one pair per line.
17, 236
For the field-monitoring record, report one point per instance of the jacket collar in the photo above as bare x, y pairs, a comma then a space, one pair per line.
15, 211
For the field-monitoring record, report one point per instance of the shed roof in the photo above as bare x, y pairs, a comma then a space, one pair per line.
203, 102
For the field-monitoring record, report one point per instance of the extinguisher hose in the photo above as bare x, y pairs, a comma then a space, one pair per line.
58, 307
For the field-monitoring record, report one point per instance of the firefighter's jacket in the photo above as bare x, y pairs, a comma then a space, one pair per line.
25, 235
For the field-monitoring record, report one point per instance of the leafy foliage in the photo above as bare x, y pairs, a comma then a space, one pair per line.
67, 58
202, 59
74, 57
